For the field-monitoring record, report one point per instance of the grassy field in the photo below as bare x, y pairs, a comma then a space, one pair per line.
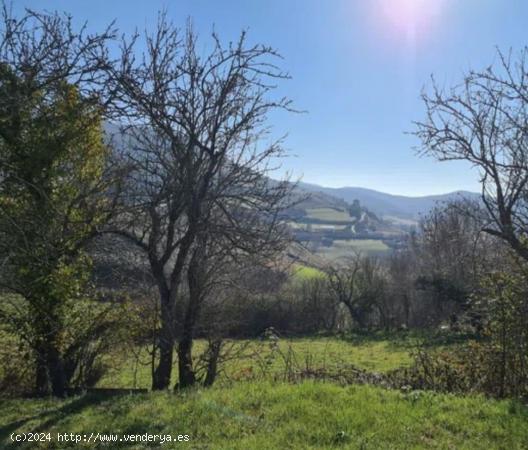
400, 221
263, 360
302, 272
253, 409
309, 415
329, 214
346, 248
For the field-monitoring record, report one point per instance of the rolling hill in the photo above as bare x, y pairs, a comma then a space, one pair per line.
388, 205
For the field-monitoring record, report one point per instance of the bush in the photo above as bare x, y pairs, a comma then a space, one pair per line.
91, 330
506, 356
497, 364
299, 307
16, 368
473, 367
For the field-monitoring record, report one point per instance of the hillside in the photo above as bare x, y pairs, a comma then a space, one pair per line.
336, 223
388, 205
332, 228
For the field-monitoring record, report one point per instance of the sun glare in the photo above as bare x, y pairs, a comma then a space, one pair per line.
408, 19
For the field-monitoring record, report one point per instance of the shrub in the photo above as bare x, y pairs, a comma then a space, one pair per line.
92, 329
473, 367
16, 368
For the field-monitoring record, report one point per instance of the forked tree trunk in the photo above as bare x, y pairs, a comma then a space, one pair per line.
168, 294
187, 377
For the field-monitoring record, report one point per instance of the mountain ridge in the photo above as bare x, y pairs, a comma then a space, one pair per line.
385, 204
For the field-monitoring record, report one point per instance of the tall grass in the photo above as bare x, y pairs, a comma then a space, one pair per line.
265, 415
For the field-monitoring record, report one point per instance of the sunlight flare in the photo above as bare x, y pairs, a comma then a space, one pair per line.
410, 20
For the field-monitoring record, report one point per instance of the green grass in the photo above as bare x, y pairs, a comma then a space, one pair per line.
329, 214
310, 415
257, 359
328, 352
302, 272
246, 409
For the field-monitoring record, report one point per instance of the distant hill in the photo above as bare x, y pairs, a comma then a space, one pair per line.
321, 207
318, 199
388, 205
397, 209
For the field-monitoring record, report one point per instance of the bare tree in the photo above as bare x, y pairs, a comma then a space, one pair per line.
484, 121
45, 49
358, 286
451, 253
401, 271
213, 273
319, 308
193, 129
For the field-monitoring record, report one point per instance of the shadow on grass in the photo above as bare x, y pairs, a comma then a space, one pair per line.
518, 408
52, 416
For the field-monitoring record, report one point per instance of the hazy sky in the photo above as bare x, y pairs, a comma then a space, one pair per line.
358, 67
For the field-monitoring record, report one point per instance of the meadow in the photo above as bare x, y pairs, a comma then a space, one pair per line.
274, 360
248, 409
330, 214
342, 249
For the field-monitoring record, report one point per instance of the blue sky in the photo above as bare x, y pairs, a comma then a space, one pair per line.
357, 67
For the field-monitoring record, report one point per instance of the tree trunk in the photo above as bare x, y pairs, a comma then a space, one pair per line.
56, 372
187, 376
168, 294
41, 374
50, 376
212, 363
162, 374
356, 315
